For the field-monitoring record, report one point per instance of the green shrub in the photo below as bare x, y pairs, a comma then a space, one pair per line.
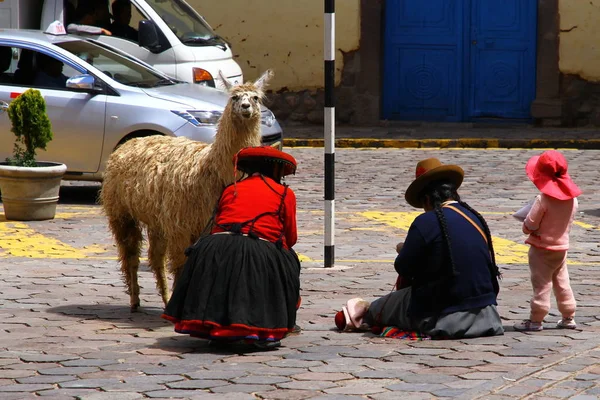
31, 126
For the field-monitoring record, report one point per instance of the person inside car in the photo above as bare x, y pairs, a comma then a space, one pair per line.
90, 19
49, 73
121, 11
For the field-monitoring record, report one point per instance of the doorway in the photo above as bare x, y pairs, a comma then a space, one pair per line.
459, 60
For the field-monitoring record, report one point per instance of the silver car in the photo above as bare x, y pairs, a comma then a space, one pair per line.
102, 98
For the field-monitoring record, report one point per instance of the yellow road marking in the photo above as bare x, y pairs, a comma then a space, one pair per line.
304, 258
400, 220
584, 225
507, 251
19, 240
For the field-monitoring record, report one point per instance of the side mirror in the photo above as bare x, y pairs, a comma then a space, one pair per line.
147, 35
81, 82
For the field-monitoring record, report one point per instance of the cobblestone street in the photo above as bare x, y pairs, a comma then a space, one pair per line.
67, 331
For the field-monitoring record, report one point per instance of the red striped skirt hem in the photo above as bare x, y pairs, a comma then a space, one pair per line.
214, 331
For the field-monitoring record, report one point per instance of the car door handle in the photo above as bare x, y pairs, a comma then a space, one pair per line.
3, 106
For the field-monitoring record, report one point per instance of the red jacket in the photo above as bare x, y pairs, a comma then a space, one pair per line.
253, 196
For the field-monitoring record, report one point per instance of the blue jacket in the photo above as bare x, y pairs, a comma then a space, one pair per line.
423, 259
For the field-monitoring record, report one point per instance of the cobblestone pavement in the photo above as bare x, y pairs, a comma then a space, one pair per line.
66, 331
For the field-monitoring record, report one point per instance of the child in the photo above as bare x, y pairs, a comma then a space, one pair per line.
548, 224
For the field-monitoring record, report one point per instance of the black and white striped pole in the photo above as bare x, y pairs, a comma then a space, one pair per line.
329, 56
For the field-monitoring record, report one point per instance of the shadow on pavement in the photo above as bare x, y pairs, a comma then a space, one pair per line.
594, 211
84, 194
148, 318
202, 346
145, 318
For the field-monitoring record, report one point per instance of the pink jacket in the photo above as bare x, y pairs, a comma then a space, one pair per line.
549, 222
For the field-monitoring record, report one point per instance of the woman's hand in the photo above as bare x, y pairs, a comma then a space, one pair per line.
106, 32
399, 247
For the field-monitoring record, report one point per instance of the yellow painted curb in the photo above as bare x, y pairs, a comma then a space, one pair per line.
477, 143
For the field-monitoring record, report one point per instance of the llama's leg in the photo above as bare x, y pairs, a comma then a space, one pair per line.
128, 236
177, 257
156, 258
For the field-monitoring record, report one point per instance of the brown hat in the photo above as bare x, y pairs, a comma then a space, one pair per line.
429, 170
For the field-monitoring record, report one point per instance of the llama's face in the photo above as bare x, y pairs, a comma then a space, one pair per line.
246, 101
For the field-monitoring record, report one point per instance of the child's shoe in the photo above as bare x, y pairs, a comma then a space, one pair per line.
566, 323
528, 325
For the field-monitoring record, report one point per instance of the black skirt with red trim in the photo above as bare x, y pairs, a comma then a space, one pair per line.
235, 287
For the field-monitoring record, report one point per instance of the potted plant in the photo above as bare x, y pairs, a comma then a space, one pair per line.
29, 188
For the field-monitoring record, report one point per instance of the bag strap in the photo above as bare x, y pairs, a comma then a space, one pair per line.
468, 219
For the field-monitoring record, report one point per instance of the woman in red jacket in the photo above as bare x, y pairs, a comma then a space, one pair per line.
242, 282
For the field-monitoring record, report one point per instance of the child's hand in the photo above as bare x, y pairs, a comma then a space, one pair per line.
399, 247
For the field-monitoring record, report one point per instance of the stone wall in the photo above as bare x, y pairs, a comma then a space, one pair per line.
581, 101
306, 106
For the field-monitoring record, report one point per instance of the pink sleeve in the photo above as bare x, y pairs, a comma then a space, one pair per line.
534, 218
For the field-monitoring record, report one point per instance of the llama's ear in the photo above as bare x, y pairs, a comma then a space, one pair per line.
264, 79
226, 82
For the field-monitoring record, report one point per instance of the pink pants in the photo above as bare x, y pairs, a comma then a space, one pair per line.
549, 271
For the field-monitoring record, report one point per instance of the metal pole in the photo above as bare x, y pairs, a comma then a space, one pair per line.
329, 120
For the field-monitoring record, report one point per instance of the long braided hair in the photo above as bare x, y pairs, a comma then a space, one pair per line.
440, 191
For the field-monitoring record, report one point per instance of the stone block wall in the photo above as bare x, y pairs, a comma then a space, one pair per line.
581, 101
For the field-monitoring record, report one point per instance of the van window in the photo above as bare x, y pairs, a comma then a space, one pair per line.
122, 15
183, 20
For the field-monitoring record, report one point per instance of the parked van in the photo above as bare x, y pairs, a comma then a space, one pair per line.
172, 36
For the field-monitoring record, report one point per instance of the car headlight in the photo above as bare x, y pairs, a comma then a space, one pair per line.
199, 118
267, 118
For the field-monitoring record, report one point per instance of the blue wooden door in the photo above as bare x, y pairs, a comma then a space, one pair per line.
459, 60
422, 60
503, 44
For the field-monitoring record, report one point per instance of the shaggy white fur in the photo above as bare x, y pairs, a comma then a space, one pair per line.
171, 187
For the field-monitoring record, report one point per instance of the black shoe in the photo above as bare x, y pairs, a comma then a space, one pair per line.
267, 344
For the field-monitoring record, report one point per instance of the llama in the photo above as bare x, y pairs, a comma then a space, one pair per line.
171, 186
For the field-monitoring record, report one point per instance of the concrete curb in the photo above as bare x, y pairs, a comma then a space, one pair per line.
477, 143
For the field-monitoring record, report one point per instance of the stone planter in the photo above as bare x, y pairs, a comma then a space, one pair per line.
30, 193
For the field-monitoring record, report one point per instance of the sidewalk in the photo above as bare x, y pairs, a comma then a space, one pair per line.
445, 135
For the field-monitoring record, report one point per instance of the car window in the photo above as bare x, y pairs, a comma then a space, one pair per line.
51, 72
34, 69
39, 70
8, 64
122, 69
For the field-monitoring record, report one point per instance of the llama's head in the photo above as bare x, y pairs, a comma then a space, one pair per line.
245, 100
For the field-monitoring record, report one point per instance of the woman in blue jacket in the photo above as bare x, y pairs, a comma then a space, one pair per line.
446, 265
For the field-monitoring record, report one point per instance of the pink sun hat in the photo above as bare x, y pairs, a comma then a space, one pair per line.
548, 172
